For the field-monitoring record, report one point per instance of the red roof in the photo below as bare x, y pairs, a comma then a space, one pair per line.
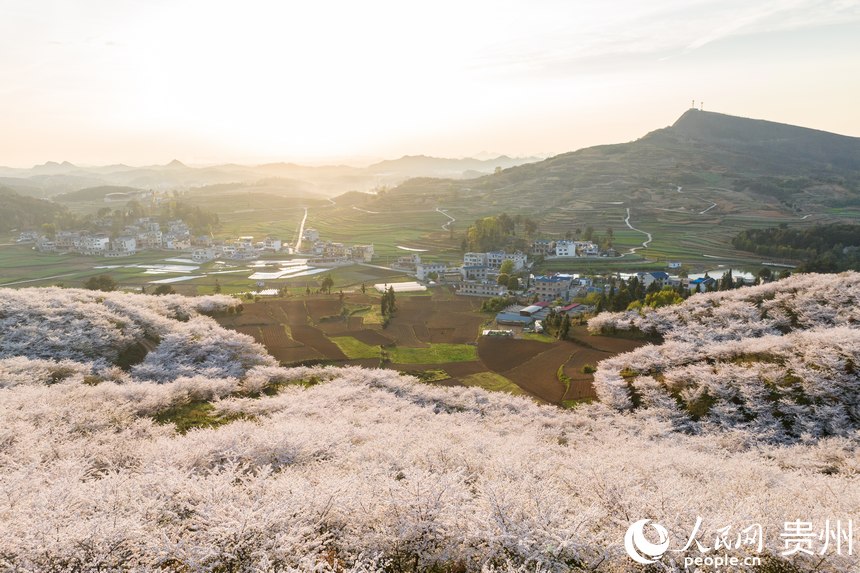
569, 307
541, 304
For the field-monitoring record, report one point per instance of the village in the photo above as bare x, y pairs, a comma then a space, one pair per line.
510, 278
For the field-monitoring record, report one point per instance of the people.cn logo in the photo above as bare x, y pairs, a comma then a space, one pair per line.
640, 549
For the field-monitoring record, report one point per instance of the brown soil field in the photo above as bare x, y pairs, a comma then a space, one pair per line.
502, 354
371, 337
337, 327
320, 308
420, 320
402, 332
538, 375
275, 336
251, 331
310, 336
581, 384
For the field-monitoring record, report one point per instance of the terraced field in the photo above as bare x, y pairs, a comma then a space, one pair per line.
438, 333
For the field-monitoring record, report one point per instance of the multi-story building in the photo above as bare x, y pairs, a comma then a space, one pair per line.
481, 288
424, 269
474, 259
552, 287
475, 272
496, 258
362, 253
124, 245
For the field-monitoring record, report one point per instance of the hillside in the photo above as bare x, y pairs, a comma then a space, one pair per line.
780, 360
240, 465
692, 186
20, 212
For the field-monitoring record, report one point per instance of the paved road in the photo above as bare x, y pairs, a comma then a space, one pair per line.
644, 243
301, 232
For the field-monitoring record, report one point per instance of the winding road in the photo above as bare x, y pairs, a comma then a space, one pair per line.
446, 226
644, 243
708, 209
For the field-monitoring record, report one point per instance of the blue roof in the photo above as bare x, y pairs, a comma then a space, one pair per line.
660, 275
555, 279
513, 317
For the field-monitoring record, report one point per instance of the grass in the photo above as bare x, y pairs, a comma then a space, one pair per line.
539, 337
427, 375
355, 349
493, 382
439, 353
192, 415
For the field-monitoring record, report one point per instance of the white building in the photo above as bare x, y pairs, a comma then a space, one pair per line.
576, 249
496, 258
474, 259
311, 235
94, 244
362, 253
125, 244
481, 288
272, 244
424, 269
203, 255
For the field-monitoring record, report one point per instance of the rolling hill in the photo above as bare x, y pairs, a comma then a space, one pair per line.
692, 186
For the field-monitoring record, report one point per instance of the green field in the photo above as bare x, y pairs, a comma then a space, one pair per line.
355, 349
493, 382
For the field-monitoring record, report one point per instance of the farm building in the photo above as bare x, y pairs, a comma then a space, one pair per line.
400, 287
513, 319
531, 310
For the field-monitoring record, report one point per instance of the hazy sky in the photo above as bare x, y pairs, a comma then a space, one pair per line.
103, 81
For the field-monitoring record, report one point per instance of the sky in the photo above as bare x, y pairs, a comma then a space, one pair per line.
206, 81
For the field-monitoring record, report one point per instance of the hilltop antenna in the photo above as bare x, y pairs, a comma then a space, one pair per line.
694, 104
701, 106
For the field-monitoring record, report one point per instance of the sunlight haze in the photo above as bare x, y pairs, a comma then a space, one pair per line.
99, 82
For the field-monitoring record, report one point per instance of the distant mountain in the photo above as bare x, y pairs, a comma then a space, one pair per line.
289, 179
424, 166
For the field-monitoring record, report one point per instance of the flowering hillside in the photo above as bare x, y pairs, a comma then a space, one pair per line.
167, 465
781, 360
154, 337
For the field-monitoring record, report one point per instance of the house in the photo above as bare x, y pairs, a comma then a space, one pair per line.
702, 284
271, 244
542, 248
94, 244
407, 262
496, 258
576, 249
474, 259
203, 255
124, 245
674, 264
362, 253
311, 235
551, 287
424, 269
480, 288
649, 278
475, 272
